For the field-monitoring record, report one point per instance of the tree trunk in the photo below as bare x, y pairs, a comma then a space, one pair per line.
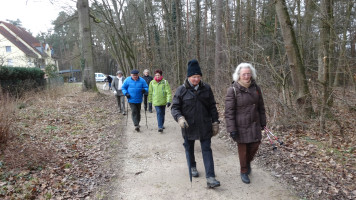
197, 29
303, 97
180, 75
87, 61
218, 42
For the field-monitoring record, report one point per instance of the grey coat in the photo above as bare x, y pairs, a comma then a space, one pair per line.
115, 86
245, 112
199, 109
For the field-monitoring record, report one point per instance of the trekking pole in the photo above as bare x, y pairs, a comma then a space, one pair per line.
127, 111
146, 119
271, 141
270, 132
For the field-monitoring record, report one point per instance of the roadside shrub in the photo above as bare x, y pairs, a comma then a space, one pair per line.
17, 80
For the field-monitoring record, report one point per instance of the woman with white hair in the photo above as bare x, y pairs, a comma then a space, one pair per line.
245, 115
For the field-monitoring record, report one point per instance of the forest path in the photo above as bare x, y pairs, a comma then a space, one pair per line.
153, 165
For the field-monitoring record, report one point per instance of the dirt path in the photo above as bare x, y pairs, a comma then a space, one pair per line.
153, 166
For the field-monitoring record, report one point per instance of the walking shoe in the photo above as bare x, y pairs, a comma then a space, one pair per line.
150, 111
195, 172
212, 182
123, 113
137, 128
160, 130
164, 127
245, 178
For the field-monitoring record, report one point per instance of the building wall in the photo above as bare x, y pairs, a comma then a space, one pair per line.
19, 59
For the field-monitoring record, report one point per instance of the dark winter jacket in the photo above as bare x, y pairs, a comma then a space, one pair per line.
199, 109
245, 112
148, 79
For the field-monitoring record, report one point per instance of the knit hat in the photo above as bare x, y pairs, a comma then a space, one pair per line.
135, 71
193, 68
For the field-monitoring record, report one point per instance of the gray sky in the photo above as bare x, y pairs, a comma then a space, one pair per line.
35, 15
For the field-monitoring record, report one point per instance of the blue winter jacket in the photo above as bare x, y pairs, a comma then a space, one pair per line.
134, 89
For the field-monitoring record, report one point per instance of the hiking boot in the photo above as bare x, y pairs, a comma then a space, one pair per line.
137, 128
195, 172
123, 113
212, 182
160, 130
245, 178
164, 127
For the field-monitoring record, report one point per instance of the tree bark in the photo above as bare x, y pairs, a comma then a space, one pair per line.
303, 97
218, 42
87, 61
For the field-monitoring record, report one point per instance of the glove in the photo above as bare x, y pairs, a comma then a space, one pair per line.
168, 104
143, 91
263, 128
215, 128
128, 95
182, 122
234, 135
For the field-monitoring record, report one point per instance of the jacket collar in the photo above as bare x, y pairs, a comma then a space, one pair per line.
238, 86
188, 86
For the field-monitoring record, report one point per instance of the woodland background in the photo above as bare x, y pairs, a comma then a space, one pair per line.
304, 53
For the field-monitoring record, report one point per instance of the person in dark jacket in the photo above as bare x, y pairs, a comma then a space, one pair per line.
194, 108
117, 88
109, 80
133, 88
148, 80
245, 115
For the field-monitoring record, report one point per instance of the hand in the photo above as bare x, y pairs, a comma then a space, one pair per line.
128, 95
182, 122
143, 91
215, 128
168, 104
234, 135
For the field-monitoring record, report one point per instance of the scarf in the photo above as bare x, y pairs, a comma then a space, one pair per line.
246, 85
158, 79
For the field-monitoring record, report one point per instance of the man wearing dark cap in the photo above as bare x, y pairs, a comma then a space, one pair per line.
194, 108
134, 88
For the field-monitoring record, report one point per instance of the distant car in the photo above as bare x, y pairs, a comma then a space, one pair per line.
99, 77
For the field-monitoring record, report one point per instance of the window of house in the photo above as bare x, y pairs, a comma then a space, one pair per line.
8, 48
10, 62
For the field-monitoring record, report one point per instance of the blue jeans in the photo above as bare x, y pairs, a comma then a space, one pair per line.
161, 112
207, 156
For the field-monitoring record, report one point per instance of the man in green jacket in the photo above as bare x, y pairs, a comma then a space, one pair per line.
159, 94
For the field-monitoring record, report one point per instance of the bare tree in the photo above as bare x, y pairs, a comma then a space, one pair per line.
218, 42
87, 61
303, 97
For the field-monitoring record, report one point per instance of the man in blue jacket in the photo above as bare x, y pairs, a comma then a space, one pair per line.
134, 88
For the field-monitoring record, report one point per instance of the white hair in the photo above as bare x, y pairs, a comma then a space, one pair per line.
146, 70
236, 75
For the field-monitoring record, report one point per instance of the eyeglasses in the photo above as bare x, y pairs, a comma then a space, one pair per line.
246, 75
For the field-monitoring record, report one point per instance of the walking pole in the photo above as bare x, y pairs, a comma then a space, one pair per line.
273, 136
127, 111
146, 119
271, 141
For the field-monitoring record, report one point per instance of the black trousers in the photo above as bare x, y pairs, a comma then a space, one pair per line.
207, 153
145, 97
136, 113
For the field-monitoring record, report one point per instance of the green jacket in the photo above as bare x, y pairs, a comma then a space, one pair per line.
159, 94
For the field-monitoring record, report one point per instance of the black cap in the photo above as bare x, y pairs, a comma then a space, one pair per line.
193, 68
135, 71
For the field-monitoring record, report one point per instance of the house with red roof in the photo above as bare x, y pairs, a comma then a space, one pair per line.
19, 48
